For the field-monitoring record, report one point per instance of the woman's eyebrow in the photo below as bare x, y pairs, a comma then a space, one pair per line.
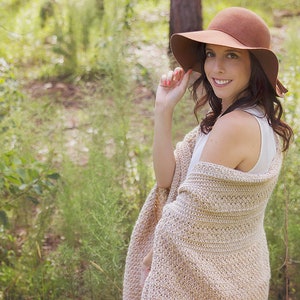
227, 50
233, 50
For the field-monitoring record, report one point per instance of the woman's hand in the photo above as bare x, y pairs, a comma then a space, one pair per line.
171, 88
169, 92
146, 267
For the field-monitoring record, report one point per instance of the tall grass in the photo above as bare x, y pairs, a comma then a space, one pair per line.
98, 203
27, 197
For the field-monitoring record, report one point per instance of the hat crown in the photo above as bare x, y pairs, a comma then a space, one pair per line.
243, 25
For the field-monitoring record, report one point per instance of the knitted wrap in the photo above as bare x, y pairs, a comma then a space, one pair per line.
210, 241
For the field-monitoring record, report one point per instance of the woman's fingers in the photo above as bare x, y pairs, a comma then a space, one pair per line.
178, 73
163, 80
166, 79
146, 266
147, 261
172, 77
172, 87
144, 274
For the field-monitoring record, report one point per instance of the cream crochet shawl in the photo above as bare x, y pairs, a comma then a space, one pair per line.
210, 241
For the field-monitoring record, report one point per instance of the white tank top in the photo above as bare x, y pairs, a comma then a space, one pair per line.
267, 150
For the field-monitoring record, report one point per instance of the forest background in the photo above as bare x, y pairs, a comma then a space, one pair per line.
77, 86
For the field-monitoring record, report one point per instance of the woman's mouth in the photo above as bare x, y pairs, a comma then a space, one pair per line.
221, 82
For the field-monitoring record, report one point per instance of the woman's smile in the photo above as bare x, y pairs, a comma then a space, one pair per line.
221, 82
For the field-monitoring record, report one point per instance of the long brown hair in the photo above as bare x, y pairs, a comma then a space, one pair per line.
259, 92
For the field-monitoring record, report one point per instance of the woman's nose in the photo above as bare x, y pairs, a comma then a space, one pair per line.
219, 65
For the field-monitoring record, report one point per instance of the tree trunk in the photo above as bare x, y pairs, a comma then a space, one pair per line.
185, 15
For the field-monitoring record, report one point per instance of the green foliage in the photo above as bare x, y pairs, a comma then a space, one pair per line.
98, 212
22, 180
94, 225
269, 10
27, 188
93, 215
282, 218
27, 191
10, 96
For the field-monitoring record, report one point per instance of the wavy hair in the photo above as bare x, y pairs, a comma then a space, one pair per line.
259, 92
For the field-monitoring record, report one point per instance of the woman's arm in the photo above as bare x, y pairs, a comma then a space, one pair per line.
169, 92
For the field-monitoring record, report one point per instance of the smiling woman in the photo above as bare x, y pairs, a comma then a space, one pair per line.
228, 71
209, 242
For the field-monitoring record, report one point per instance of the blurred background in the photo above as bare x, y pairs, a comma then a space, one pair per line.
77, 87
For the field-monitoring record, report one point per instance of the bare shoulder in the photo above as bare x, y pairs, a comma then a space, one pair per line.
236, 126
238, 118
234, 139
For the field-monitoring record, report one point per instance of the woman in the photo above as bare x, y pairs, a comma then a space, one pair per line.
209, 242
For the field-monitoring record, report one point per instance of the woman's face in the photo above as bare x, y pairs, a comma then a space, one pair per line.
228, 71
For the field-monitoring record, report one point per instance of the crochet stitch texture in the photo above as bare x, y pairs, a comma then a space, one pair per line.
210, 241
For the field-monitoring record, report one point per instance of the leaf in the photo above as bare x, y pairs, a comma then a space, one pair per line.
33, 173
54, 176
21, 173
33, 199
38, 189
3, 218
13, 180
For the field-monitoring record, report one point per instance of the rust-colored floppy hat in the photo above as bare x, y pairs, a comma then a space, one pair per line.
234, 27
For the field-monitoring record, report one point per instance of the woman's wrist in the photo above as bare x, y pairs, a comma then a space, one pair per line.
163, 110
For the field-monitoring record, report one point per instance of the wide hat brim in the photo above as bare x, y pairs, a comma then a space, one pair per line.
185, 49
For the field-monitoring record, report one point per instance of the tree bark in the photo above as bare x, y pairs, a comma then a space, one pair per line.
185, 15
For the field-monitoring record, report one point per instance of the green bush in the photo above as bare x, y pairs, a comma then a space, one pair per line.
27, 190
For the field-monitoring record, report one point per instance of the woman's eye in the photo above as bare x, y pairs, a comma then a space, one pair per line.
209, 54
232, 55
